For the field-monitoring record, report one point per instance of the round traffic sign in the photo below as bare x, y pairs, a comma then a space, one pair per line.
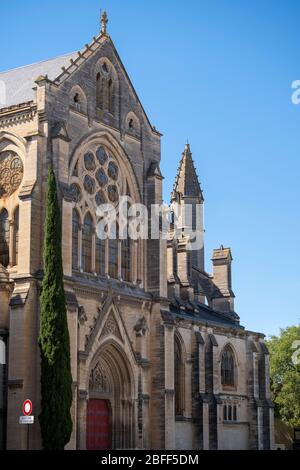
27, 408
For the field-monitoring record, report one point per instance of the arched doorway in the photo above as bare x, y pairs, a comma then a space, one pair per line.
110, 410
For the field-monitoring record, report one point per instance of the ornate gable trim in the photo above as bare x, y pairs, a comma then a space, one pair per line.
111, 327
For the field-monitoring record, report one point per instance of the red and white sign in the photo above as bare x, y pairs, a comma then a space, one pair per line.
27, 407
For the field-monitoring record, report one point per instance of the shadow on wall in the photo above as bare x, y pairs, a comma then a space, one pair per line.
283, 435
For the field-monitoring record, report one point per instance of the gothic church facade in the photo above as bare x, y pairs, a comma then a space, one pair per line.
157, 350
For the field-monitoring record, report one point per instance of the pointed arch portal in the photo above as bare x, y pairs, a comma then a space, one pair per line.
110, 410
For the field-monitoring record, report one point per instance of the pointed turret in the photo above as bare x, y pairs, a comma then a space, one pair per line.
187, 184
186, 248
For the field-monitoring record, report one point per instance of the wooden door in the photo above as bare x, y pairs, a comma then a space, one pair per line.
98, 425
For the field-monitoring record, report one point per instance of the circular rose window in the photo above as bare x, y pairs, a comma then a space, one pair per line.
11, 173
100, 177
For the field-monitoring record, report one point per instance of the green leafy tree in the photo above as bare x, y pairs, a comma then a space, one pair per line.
56, 379
285, 374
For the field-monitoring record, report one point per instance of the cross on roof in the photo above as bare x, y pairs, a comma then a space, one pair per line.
103, 21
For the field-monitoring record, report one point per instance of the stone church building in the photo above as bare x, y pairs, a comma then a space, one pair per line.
159, 358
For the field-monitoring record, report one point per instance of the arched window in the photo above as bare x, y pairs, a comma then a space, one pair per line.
133, 126
113, 256
110, 96
100, 256
4, 238
78, 100
106, 86
75, 239
16, 235
227, 368
178, 378
87, 241
126, 260
99, 90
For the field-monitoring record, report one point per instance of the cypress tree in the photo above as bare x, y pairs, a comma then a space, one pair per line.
54, 341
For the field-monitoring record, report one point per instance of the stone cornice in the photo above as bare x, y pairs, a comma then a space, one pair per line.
17, 114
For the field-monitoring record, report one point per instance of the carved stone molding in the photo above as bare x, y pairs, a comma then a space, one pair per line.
141, 327
82, 317
99, 381
111, 327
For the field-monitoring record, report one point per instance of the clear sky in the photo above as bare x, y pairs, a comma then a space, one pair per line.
218, 73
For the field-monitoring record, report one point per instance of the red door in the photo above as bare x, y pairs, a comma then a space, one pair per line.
98, 425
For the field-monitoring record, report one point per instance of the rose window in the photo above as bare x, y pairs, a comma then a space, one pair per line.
11, 173
100, 177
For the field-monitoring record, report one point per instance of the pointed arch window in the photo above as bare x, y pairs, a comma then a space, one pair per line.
16, 235
178, 378
99, 90
4, 238
111, 96
113, 245
126, 260
228, 368
106, 87
87, 242
100, 256
75, 239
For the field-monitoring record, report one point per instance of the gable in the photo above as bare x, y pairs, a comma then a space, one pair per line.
83, 69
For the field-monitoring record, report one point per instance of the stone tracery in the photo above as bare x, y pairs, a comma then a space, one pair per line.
11, 173
99, 175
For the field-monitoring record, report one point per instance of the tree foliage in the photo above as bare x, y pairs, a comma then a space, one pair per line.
56, 379
285, 374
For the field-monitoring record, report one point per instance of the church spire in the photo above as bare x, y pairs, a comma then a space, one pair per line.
103, 22
187, 183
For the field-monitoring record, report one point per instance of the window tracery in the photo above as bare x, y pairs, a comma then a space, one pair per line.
98, 180
11, 173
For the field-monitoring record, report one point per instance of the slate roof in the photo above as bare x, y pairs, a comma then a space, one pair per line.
205, 315
16, 85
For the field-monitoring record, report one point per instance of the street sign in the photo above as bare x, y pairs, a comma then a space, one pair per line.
26, 420
27, 407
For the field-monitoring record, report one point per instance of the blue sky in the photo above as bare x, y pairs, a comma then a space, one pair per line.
218, 73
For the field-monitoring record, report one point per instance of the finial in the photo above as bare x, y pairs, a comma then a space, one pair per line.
187, 147
103, 21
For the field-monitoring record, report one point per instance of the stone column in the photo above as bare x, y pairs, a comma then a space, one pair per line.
82, 419
169, 388
94, 251
202, 388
